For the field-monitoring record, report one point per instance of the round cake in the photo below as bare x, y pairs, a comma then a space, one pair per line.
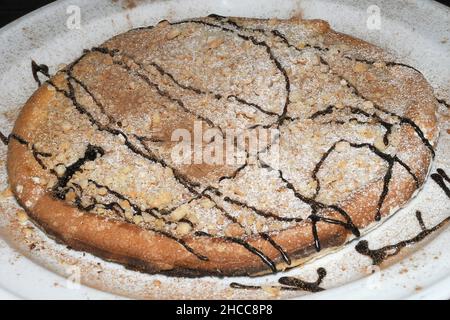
222, 146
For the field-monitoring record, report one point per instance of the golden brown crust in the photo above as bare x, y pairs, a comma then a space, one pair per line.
151, 252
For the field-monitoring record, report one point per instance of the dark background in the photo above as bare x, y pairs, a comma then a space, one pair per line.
10, 10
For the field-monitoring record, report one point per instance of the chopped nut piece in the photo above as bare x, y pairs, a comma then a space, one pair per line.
19, 188
161, 200
379, 64
172, 34
234, 230
207, 203
183, 228
126, 170
339, 105
36, 180
312, 184
192, 217
125, 205
133, 194
359, 67
259, 225
49, 184
273, 291
138, 219
132, 86
379, 144
220, 220
343, 82
315, 60
60, 169
250, 220
84, 183
85, 202
367, 133
168, 171
179, 213
147, 217
215, 43
22, 216
66, 126
121, 138
160, 223
341, 146
7, 192
102, 191
368, 104
71, 196
28, 232
156, 119
156, 283
129, 215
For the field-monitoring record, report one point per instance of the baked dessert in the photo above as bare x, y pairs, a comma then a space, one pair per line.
91, 155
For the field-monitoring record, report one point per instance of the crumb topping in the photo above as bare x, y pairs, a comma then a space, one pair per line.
104, 140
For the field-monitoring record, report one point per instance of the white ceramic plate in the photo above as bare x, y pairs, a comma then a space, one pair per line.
32, 266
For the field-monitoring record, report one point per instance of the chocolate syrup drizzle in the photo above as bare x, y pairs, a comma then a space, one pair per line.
36, 154
402, 120
284, 39
60, 189
277, 33
269, 262
82, 110
269, 51
314, 218
378, 256
155, 86
445, 103
440, 177
388, 63
381, 254
390, 160
92, 153
4, 139
259, 212
357, 111
217, 96
290, 284
282, 252
315, 206
39, 68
